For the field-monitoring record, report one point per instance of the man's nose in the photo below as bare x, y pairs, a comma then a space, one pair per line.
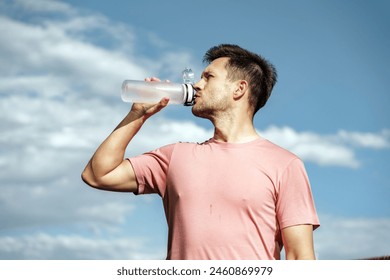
197, 85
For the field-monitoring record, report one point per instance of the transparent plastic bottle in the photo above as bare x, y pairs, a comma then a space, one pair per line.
152, 92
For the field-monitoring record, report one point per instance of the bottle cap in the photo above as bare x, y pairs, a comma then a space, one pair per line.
188, 76
189, 94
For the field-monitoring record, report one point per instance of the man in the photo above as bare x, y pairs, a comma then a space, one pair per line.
235, 196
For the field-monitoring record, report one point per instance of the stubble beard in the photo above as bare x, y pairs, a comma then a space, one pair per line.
209, 110
212, 106
201, 111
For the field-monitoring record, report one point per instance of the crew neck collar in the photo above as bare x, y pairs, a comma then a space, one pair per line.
233, 144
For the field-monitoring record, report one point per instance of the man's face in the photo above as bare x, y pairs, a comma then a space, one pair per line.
213, 90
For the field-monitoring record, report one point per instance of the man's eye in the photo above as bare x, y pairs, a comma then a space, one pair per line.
207, 76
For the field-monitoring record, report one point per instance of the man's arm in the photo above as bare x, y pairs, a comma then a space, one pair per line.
298, 242
107, 169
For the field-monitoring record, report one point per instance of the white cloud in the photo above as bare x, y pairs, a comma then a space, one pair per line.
49, 6
352, 238
327, 150
45, 246
50, 61
379, 140
160, 131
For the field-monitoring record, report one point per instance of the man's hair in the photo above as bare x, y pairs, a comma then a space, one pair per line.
242, 64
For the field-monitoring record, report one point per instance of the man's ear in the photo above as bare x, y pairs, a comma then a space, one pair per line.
241, 89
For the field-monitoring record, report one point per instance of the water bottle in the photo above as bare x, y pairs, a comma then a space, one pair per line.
152, 92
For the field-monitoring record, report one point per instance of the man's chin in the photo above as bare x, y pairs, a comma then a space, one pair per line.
196, 111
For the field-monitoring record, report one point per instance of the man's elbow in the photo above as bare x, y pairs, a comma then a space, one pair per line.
88, 177
100, 183
112, 181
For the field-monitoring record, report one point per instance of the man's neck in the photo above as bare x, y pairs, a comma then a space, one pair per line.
234, 131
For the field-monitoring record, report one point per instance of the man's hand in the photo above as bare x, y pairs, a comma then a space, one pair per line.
146, 110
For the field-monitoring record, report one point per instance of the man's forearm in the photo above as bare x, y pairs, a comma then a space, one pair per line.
112, 151
106, 169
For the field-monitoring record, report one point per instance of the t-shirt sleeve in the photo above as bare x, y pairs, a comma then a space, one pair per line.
295, 204
151, 170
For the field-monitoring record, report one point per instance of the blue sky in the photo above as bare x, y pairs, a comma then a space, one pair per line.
62, 67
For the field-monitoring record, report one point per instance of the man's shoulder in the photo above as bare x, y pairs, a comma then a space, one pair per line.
182, 145
277, 150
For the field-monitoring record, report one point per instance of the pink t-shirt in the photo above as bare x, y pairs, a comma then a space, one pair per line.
224, 200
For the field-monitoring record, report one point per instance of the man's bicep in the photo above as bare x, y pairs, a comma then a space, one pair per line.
121, 179
298, 242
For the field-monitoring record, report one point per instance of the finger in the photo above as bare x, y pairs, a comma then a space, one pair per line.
164, 101
160, 105
156, 107
155, 79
